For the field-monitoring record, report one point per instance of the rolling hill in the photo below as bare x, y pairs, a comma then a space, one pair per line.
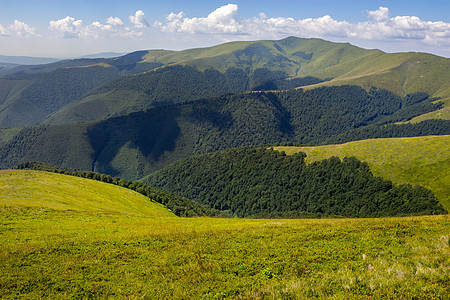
243, 66
261, 182
36, 189
417, 160
88, 240
30, 95
137, 144
140, 80
149, 112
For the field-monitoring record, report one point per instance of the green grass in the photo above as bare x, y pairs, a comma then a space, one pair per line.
417, 160
401, 73
63, 192
87, 253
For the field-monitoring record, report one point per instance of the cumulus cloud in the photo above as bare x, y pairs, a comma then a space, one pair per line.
383, 27
71, 28
319, 27
221, 20
21, 29
382, 13
114, 21
3, 31
139, 20
67, 27
379, 26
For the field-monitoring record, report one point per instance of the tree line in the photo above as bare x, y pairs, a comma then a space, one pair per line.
180, 206
263, 183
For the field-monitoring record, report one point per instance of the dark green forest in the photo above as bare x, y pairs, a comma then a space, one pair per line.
59, 84
262, 183
137, 144
180, 84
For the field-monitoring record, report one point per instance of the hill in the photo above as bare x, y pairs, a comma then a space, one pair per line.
416, 160
259, 182
401, 73
26, 60
137, 144
30, 95
275, 65
63, 92
82, 252
36, 189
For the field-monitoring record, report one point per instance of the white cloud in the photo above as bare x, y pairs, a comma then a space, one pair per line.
21, 29
379, 26
139, 20
222, 20
67, 27
319, 27
3, 31
382, 13
114, 21
71, 28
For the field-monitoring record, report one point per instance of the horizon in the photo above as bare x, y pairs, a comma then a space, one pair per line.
67, 30
112, 54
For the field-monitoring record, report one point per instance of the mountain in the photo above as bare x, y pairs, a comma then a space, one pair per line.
144, 79
28, 95
27, 60
131, 115
260, 63
137, 144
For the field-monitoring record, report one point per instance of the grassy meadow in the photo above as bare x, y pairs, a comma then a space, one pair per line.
56, 241
415, 160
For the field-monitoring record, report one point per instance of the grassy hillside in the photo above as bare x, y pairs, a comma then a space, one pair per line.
262, 183
36, 189
417, 160
28, 99
295, 56
401, 73
137, 144
53, 253
69, 88
208, 72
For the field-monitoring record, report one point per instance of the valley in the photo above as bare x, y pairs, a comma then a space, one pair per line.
270, 169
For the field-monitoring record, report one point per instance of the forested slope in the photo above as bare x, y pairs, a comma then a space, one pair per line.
31, 94
259, 182
135, 145
415, 160
95, 89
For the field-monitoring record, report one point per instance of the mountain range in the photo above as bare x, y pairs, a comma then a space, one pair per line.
297, 168
132, 115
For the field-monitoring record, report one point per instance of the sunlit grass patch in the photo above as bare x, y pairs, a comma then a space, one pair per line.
54, 253
416, 160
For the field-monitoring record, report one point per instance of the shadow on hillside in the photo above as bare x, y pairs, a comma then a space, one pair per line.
115, 141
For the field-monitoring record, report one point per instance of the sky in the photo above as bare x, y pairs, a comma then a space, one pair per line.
64, 29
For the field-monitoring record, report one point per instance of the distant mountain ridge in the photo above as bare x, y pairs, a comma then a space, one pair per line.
143, 79
103, 55
27, 60
132, 115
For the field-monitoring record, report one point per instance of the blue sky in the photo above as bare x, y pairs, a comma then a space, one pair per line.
62, 28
